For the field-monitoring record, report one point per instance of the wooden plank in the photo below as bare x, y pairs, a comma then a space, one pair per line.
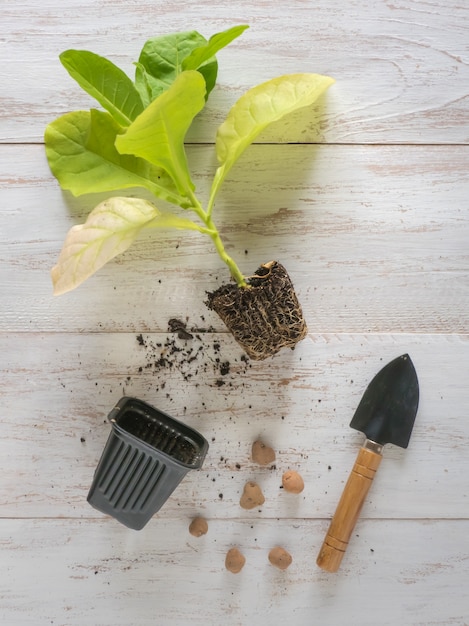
375, 240
57, 390
406, 571
401, 69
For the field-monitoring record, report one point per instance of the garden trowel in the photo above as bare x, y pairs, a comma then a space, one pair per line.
386, 414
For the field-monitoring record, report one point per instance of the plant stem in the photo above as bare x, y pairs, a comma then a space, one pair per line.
214, 235
234, 269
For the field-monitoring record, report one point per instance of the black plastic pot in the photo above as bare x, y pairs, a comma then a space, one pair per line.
146, 456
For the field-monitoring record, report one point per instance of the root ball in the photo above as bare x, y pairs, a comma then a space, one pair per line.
265, 317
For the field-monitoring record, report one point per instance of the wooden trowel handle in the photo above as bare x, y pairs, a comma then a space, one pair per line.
349, 507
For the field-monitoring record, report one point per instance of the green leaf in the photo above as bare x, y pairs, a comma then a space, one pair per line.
104, 81
259, 107
169, 220
81, 154
110, 229
158, 133
162, 58
143, 84
204, 53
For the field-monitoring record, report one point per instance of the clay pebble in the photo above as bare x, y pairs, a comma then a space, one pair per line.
280, 558
292, 482
198, 527
234, 561
252, 496
261, 453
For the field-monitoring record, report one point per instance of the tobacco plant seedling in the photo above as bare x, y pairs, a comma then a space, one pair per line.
138, 141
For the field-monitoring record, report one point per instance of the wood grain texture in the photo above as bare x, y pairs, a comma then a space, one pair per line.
58, 388
164, 575
401, 68
366, 206
375, 239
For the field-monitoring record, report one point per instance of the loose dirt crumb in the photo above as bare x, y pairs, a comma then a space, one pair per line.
198, 527
234, 561
179, 327
261, 453
292, 482
193, 353
252, 496
280, 558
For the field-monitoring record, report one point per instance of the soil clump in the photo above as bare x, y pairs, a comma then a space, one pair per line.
263, 317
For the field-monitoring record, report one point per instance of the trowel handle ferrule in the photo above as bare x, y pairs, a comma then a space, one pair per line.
349, 507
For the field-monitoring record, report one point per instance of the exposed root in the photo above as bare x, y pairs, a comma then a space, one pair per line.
263, 317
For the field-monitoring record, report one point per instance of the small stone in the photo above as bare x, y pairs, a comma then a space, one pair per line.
280, 558
262, 454
292, 482
252, 496
234, 561
198, 527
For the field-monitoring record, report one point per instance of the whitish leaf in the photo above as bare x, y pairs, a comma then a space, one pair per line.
110, 229
81, 154
259, 107
104, 81
158, 133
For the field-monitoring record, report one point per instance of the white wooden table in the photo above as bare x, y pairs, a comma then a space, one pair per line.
366, 203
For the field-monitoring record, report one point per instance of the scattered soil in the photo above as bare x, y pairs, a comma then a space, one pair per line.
280, 558
191, 352
266, 316
198, 527
252, 496
178, 326
262, 454
234, 561
292, 482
